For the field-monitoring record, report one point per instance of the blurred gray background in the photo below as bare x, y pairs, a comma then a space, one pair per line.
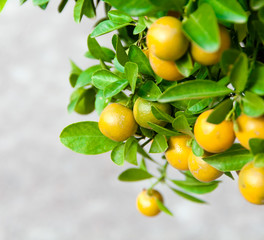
48, 192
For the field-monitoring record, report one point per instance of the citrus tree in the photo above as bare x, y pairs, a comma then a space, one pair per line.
184, 80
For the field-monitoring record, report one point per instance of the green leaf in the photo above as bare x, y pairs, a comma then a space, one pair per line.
62, 5
131, 71
259, 160
103, 78
75, 96
231, 160
121, 53
195, 186
96, 50
85, 77
163, 208
197, 105
227, 10
160, 115
115, 87
181, 124
3, 2
119, 17
193, 89
118, 66
261, 14
185, 65
131, 151
219, 113
144, 154
107, 55
133, 7
241, 30
149, 91
85, 103
100, 102
169, 5
106, 27
259, 29
75, 72
118, 154
140, 27
159, 144
89, 9
253, 105
37, 2
134, 174
256, 4
187, 196
162, 130
239, 73
229, 57
83, 7
86, 138
256, 79
229, 174
137, 56
256, 145
197, 29
196, 149
142, 165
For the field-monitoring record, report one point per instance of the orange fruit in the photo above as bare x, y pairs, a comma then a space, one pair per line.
165, 69
117, 122
214, 138
249, 127
166, 40
147, 202
251, 183
210, 58
178, 152
201, 170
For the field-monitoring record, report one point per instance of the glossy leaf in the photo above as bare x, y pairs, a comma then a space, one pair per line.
37, 2
228, 59
196, 149
131, 151
253, 105
187, 196
159, 144
163, 208
100, 102
197, 105
149, 91
256, 80
198, 30
181, 124
75, 72
131, 70
140, 27
259, 160
256, 4
108, 52
115, 87
83, 7
169, 5
160, 115
194, 89
102, 78
256, 145
86, 138
120, 52
134, 174
85, 77
119, 17
185, 65
118, 154
162, 130
85, 103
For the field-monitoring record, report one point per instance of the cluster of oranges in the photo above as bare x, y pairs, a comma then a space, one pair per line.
166, 44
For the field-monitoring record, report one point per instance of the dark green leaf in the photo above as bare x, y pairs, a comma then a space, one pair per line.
86, 138
160, 115
187, 196
118, 154
115, 87
229, 174
185, 65
119, 17
140, 27
228, 59
62, 5
83, 7
169, 5
256, 145
256, 4
196, 27
162, 130
259, 160
85, 77
159, 144
121, 53
256, 79
163, 208
253, 105
227, 10
75, 72
106, 27
219, 113
85, 103
194, 89
181, 124
137, 56
259, 28
131, 150
134, 174
131, 70
103, 78
149, 91
196, 149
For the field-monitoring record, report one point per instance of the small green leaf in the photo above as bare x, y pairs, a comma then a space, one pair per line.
85, 103
227, 10
118, 154
159, 144
118, 66
185, 65
256, 80
256, 4
115, 87
197, 105
100, 102
162, 130
239, 73
75, 96
196, 149
218, 115
160, 115
181, 124
136, 55
228, 59
119, 17
131, 151
134, 174
198, 30
163, 208
256, 145
142, 165
85, 77
38, 2
231, 160
103, 78
131, 71
140, 27
259, 160
229, 174
86, 138
149, 91
83, 7
75, 72
194, 89
106, 52
253, 105
3, 2
61, 5
121, 53
187, 196
106, 27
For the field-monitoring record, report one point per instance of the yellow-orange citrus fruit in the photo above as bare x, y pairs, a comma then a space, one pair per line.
249, 127
165, 69
178, 152
166, 40
251, 183
147, 202
201, 170
209, 58
143, 114
117, 122
213, 138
